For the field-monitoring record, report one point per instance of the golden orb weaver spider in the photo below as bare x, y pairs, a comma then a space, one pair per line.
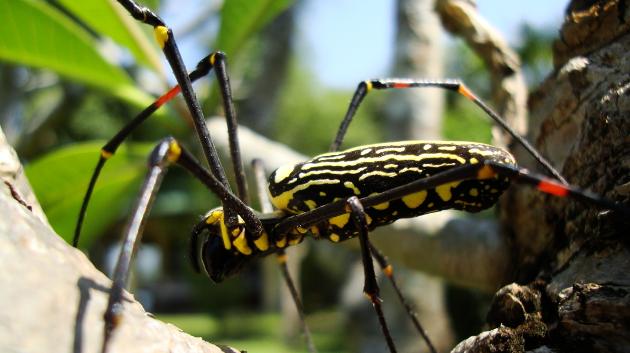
338, 195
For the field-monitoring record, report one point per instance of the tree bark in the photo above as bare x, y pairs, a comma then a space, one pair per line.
572, 260
52, 299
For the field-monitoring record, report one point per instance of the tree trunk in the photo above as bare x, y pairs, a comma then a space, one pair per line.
572, 260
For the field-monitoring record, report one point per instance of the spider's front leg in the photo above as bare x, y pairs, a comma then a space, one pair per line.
166, 153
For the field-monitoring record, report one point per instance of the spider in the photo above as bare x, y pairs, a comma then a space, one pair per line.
338, 195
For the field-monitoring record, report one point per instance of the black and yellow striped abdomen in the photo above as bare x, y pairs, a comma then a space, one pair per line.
372, 169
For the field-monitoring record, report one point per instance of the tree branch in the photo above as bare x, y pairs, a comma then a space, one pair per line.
52, 297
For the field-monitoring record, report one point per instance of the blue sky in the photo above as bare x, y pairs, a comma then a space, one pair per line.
346, 41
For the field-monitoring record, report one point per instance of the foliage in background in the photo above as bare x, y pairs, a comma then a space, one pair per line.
73, 39
309, 115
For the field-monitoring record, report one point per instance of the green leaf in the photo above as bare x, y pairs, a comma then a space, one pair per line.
60, 180
108, 18
35, 34
241, 18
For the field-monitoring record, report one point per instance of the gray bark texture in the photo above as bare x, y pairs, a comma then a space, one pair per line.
572, 260
52, 298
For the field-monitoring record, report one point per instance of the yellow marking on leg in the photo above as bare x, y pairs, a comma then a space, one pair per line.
334, 237
213, 58
368, 219
106, 154
444, 190
368, 86
161, 35
464, 91
262, 243
282, 259
415, 200
174, 151
340, 221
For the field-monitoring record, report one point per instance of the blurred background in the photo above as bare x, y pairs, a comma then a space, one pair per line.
73, 73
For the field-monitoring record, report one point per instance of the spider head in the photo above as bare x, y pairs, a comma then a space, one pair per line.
219, 251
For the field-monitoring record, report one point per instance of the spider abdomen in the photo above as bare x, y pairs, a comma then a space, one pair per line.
367, 170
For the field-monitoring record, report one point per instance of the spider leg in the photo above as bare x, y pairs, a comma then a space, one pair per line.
388, 270
111, 146
166, 153
167, 42
452, 85
215, 60
370, 287
266, 207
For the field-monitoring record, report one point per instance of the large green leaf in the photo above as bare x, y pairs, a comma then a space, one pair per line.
60, 180
241, 18
35, 34
108, 18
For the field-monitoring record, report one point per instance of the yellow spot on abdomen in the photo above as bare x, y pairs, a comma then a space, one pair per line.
350, 185
414, 200
473, 192
310, 204
486, 172
340, 221
381, 206
334, 237
444, 190
282, 242
282, 173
